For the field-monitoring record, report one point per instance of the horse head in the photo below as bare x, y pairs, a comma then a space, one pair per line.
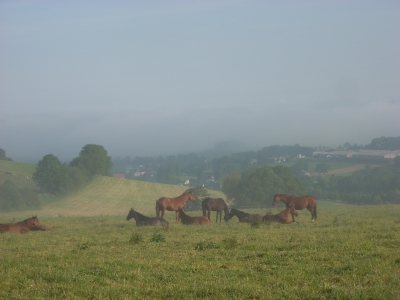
191, 196
293, 211
131, 214
277, 198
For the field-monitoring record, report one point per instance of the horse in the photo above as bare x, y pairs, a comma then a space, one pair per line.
215, 204
20, 227
173, 204
188, 220
299, 203
282, 217
142, 220
243, 217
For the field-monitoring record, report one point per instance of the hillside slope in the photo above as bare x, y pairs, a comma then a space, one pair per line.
112, 196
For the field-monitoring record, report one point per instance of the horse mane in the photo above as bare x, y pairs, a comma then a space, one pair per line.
140, 215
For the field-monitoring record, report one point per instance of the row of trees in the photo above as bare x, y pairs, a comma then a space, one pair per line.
370, 185
57, 178
257, 187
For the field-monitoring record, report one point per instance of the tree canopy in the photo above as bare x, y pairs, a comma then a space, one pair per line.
257, 187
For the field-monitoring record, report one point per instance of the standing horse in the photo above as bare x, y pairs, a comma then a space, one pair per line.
215, 204
173, 204
299, 203
20, 227
142, 220
188, 220
282, 217
243, 217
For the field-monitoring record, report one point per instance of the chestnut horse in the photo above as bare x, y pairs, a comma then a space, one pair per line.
142, 220
282, 217
243, 217
299, 203
188, 220
172, 204
20, 227
215, 204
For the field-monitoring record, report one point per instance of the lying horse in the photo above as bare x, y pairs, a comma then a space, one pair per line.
188, 220
173, 204
300, 203
20, 227
142, 220
243, 217
215, 204
282, 217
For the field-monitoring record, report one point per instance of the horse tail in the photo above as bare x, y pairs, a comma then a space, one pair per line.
203, 206
157, 209
315, 211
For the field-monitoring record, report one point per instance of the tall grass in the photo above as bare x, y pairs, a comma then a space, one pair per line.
349, 253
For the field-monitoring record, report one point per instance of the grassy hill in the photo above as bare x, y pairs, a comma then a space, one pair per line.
110, 196
107, 195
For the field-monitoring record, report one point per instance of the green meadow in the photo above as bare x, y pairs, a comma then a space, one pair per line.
350, 252
92, 252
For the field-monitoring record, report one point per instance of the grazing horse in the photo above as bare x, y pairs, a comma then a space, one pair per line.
299, 203
243, 217
142, 220
173, 204
188, 220
215, 204
20, 227
282, 217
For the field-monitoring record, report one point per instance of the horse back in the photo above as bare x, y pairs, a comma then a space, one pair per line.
201, 220
14, 228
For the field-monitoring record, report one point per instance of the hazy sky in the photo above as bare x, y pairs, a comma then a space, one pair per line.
171, 77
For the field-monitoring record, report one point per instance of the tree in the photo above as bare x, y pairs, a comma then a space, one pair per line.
3, 155
50, 175
200, 192
93, 159
230, 185
10, 197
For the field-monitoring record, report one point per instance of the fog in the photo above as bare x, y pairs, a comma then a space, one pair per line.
174, 77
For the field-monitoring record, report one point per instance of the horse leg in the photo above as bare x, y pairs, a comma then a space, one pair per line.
216, 219
176, 217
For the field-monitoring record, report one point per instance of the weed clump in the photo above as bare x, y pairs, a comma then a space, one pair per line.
157, 237
136, 238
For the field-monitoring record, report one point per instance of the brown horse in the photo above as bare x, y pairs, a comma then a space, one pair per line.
142, 220
299, 203
215, 204
243, 217
282, 217
173, 204
20, 227
188, 220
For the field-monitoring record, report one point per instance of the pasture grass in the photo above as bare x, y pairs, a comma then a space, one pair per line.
348, 253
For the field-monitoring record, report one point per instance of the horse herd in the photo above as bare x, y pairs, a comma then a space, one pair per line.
209, 204
217, 204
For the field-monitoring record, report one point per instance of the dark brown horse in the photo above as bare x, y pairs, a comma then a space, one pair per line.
215, 204
188, 220
299, 203
243, 217
142, 220
282, 217
173, 204
20, 227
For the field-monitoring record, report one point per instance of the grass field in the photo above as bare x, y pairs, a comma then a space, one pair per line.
105, 196
348, 253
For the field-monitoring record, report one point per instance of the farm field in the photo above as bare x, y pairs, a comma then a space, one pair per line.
350, 252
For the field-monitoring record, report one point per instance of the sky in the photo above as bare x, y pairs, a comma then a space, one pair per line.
150, 78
